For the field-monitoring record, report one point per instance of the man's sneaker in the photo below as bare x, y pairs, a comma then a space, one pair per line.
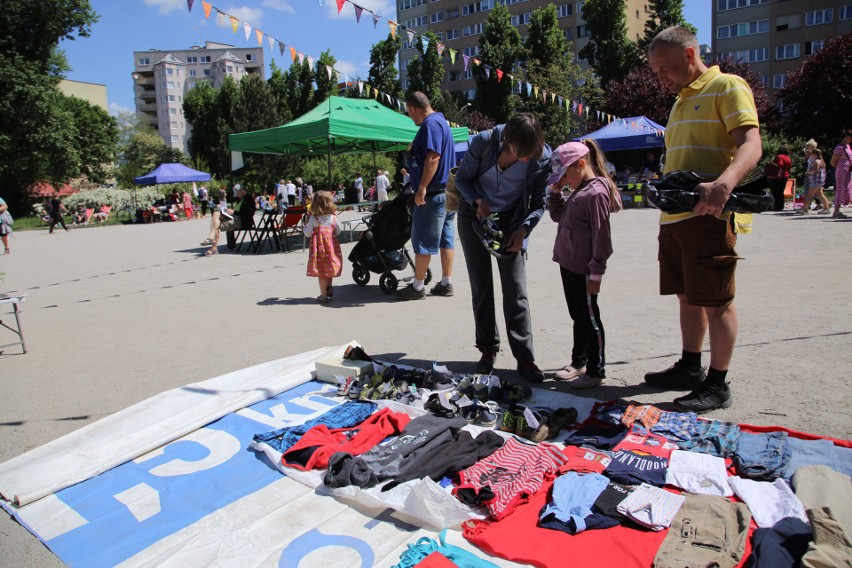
570, 372
676, 377
838, 215
586, 381
409, 293
530, 371
441, 290
486, 363
707, 397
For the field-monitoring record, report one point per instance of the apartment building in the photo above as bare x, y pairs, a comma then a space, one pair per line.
775, 36
459, 23
162, 78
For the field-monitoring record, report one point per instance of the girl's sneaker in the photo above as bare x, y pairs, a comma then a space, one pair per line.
355, 390
488, 415
344, 385
466, 386
509, 420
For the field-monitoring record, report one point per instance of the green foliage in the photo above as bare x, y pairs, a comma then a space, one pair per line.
278, 87
383, 74
141, 152
609, 51
817, 96
426, 73
500, 48
772, 142
326, 86
95, 134
37, 131
663, 14
343, 169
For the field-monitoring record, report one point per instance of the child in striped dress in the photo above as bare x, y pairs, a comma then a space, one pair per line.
325, 260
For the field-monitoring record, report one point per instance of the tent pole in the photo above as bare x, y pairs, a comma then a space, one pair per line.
330, 188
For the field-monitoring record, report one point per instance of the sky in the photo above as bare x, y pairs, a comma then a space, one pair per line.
125, 26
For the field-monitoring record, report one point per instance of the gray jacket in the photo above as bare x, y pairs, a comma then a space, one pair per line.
482, 154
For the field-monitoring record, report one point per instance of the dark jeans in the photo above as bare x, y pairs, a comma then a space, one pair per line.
589, 339
57, 219
776, 187
513, 282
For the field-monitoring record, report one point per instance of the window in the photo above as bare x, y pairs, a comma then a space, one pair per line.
408, 4
474, 8
846, 12
249, 57
144, 61
580, 7
403, 65
748, 55
416, 22
742, 29
583, 31
454, 33
485, 5
722, 5
788, 51
172, 98
471, 51
170, 71
172, 111
472, 30
563, 11
192, 59
173, 124
452, 14
779, 80
455, 75
192, 72
470, 94
568, 33
175, 138
170, 85
436, 17
207, 72
229, 68
812, 47
469, 73
818, 17
205, 59
521, 19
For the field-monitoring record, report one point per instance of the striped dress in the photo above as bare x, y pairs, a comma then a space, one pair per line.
842, 191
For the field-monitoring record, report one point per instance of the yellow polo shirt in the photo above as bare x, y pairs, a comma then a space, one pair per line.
698, 132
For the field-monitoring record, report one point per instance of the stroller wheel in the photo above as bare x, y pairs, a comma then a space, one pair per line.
360, 275
388, 282
428, 276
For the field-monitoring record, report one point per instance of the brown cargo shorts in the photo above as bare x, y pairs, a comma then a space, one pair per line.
698, 259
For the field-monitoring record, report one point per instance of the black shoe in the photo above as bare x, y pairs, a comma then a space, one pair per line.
707, 397
530, 371
485, 366
676, 377
409, 293
441, 290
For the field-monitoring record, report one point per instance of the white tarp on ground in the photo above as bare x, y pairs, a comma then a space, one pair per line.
131, 432
191, 492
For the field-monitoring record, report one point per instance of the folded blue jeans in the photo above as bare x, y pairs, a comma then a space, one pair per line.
761, 456
817, 452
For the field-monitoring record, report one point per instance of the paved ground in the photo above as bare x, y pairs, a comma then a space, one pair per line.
117, 314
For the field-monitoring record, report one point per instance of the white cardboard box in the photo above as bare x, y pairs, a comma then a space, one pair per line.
330, 366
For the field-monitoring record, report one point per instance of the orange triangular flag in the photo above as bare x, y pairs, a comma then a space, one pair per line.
259, 35
293, 53
207, 7
392, 26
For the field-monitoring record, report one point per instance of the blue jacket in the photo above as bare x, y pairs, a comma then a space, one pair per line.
482, 154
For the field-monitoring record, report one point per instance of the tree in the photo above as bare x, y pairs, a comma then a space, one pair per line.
145, 150
95, 135
817, 97
38, 143
550, 65
278, 87
499, 49
299, 88
426, 73
383, 74
663, 14
609, 51
326, 83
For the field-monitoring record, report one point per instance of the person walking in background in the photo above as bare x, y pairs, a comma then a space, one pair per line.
325, 260
778, 172
203, 199
814, 182
291, 193
503, 176
382, 186
713, 130
432, 228
406, 178
359, 188
841, 158
56, 211
5, 225
187, 205
583, 245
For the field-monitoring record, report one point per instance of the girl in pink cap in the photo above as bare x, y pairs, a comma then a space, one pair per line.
583, 245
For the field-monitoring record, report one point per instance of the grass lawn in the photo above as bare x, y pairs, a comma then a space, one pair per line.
33, 223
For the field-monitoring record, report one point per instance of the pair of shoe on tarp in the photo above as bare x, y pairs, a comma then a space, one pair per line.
537, 423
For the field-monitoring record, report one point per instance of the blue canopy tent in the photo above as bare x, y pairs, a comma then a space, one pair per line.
171, 173
636, 132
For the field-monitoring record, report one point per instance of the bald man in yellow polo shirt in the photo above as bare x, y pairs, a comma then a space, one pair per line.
713, 130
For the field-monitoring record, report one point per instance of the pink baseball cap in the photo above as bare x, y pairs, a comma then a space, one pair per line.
563, 157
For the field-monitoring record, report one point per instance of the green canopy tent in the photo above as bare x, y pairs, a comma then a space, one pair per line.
337, 126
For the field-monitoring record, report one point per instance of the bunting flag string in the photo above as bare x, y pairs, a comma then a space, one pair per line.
247, 29
189, 4
207, 6
358, 10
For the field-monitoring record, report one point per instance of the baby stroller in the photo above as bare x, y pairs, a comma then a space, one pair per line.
382, 246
